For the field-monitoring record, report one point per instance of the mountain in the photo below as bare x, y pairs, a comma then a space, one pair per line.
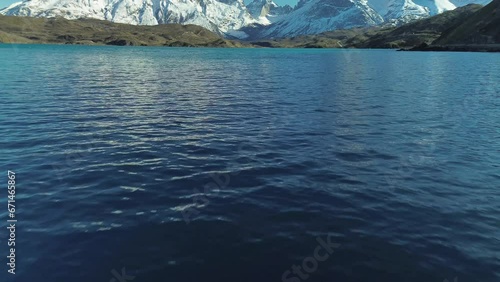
317, 16
221, 16
421, 31
481, 28
266, 11
233, 19
469, 28
416, 33
403, 11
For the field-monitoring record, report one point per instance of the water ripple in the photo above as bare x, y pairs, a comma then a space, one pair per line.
395, 155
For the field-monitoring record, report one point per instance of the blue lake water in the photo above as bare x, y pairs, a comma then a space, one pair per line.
234, 165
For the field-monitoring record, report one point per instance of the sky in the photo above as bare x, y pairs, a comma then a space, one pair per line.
5, 3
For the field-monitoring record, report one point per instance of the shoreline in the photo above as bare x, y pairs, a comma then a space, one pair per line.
92, 32
494, 48
477, 48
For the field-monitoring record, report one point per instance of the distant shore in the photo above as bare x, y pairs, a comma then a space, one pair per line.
457, 48
493, 48
410, 37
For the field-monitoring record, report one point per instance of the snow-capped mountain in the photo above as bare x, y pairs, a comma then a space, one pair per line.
316, 16
267, 12
221, 16
260, 18
404, 11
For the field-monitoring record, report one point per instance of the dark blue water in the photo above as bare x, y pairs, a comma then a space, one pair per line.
201, 165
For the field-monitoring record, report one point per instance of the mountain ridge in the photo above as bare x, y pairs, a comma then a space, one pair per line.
220, 16
259, 19
421, 35
482, 28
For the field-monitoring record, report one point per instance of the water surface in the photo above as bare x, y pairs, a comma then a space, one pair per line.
227, 164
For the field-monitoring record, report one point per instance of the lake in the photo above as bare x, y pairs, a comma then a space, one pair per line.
250, 165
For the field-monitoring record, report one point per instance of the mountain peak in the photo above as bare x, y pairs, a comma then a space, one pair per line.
232, 18
267, 11
221, 16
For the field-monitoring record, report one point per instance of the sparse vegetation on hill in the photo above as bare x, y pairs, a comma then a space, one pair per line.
469, 28
97, 32
423, 31
481, 28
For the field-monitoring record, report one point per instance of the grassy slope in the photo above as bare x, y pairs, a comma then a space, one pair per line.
331, 39
90, 31
469, 24
421, 31
481, 28
409, 35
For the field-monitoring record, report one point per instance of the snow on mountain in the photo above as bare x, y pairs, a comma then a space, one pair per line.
266, 11
261, 18
316, 16
460, 3
436, 6
221, 16
403, 11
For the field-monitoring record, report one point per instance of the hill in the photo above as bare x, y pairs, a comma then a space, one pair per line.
469, 28
422, 31
15, 29
481, 28
413, 34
